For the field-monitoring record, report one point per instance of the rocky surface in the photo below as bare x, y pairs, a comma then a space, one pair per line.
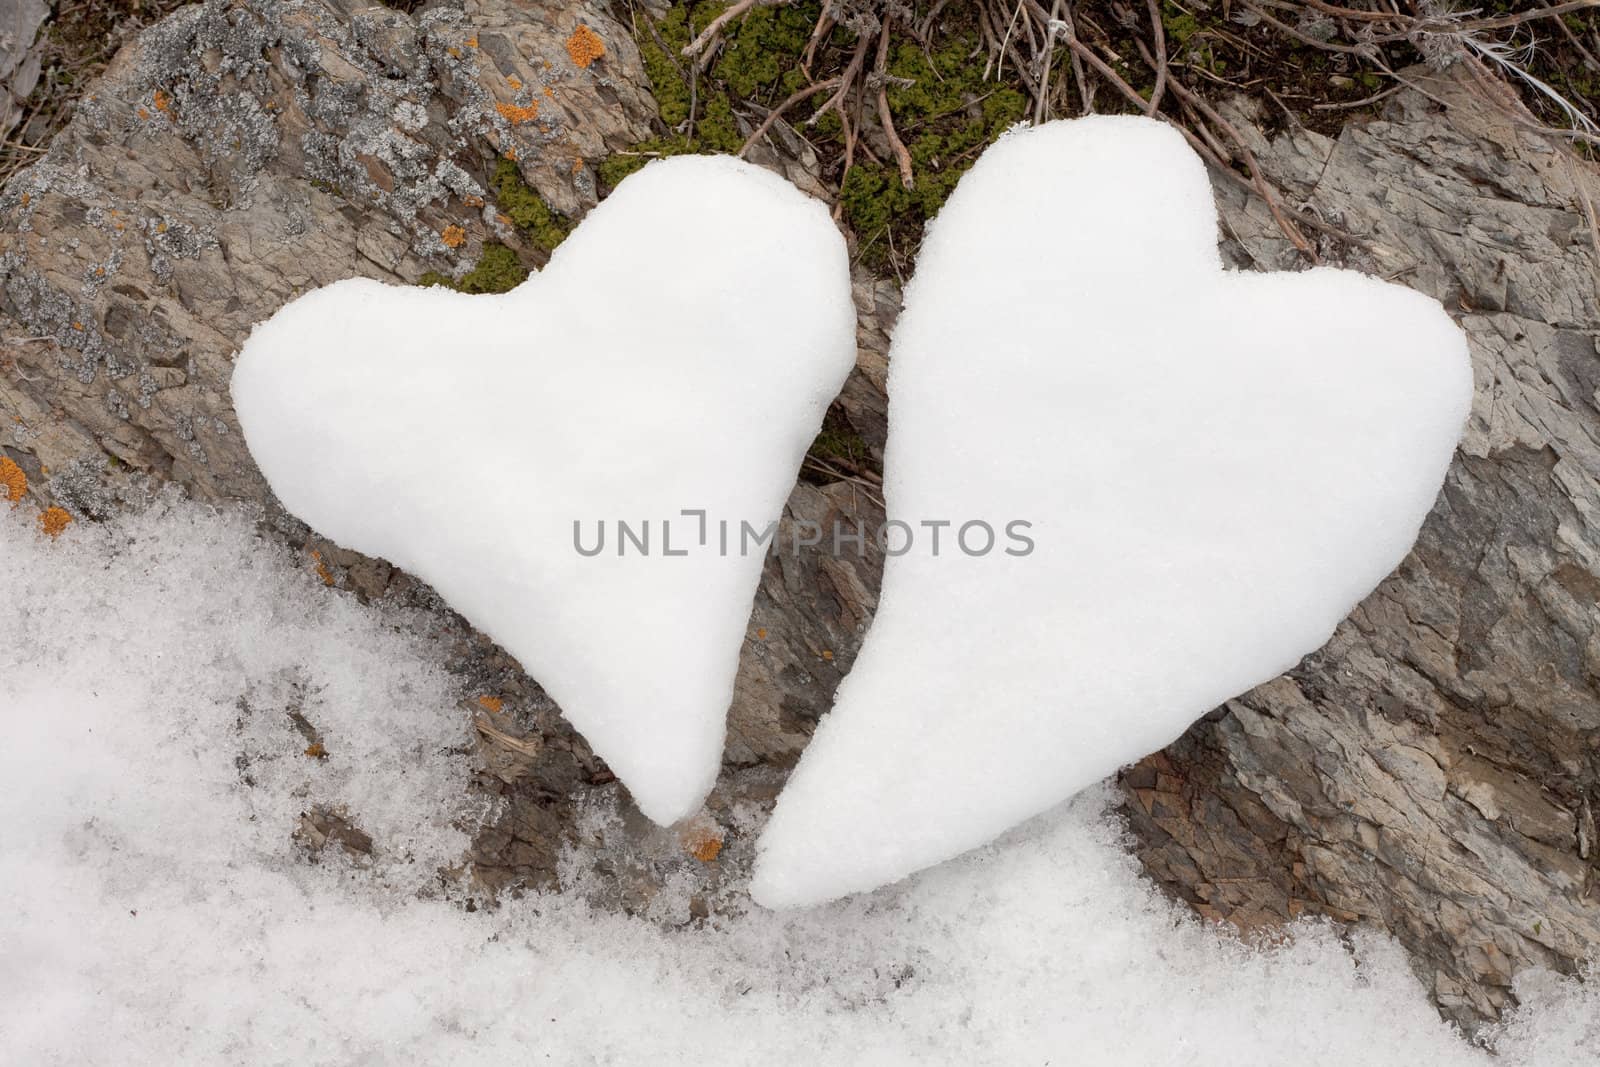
241, 153
1434, 771
20, 21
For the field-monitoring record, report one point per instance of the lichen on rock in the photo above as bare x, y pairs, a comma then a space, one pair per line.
283, 144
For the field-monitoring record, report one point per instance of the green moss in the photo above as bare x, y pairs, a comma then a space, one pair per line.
762, 50
943, 109
666, 80
1179, 25
1187, 38
759, 60
838, 440
871, 199
523, 206
718, 130
617, 167
498, 271
946, 114
327, 187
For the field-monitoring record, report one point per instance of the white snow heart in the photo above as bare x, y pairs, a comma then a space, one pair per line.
677, 353
1216, 466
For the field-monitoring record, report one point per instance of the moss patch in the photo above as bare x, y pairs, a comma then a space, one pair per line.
947, 115
498, 271
526, 210
943, 109
839, 441
759, 60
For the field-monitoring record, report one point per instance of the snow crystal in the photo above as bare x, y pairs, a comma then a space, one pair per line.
677, 355
158, 911
1215, 469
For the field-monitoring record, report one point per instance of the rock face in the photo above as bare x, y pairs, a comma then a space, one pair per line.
1433, 771
19, 57
239, 154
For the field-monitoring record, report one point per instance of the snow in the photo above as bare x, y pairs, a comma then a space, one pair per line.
158, 912
1217, 468
678, 353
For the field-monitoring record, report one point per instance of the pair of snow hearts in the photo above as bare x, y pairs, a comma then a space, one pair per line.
1216, 467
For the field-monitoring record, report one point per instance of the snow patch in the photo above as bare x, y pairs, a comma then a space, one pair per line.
158, 912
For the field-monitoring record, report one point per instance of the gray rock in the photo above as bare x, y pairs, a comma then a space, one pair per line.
19, 57
243, 151
1433, 771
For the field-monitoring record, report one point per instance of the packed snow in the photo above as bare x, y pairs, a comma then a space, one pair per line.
1214, 467
677, 355
158, 911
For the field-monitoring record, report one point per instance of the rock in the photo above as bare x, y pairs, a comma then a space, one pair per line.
321, 826
19, 57
243, 151
1433, 772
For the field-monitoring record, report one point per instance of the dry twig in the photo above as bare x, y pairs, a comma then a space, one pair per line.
707, 35
902, 157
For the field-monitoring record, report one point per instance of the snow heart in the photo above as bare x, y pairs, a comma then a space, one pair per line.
1218, 467
678, 352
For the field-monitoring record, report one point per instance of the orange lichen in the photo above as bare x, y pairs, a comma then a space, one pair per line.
25, 198
161, 227
761, 634
577, 164
704, 845
143, 112
551, 93
585, 46
322, 568
53, 520
78, 326
472, 42
453, 236
516, 114
491, 704
473, 201
316, 751
510, 153
515, 82
12, 479
162, 101
827, 655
